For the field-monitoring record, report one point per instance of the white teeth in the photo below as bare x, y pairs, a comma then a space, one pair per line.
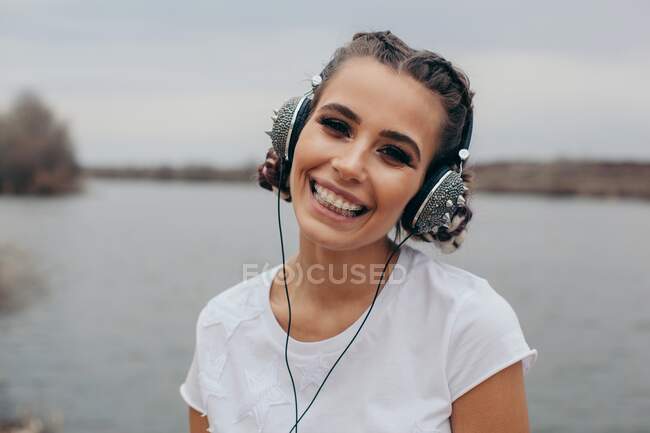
335, 199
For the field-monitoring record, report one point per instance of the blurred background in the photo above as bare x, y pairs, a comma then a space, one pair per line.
129, 133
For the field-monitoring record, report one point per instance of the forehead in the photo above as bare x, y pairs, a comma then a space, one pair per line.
386, 99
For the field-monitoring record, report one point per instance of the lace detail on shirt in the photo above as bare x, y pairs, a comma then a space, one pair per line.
420, 427
231, 316
210, 377
263, 391
313, 371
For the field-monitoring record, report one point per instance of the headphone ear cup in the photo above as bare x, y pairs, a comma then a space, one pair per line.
435, 203
288, 121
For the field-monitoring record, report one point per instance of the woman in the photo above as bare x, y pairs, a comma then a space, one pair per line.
441, 351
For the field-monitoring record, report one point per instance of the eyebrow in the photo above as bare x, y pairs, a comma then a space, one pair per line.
386, 133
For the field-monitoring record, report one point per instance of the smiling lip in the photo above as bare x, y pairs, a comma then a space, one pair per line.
346, 195
337, 218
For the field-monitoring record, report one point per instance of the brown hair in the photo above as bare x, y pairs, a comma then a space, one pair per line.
434, 72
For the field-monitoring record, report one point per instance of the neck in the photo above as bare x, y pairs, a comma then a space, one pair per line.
330, 278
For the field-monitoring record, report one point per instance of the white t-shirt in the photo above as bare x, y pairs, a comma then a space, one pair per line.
435, 332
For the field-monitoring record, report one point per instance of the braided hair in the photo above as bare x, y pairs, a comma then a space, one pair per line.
436, 73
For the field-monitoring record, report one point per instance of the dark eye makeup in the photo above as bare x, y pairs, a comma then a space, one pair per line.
335, 125
397, 154
340, 127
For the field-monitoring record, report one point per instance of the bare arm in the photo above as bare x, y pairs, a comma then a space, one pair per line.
198, 423
497, 405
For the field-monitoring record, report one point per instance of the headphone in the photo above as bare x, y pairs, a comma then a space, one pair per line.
430, 208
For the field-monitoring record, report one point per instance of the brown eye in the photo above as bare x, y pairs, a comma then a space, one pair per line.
396, 154
335, 125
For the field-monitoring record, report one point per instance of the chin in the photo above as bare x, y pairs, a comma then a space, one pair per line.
328, 237
336, 239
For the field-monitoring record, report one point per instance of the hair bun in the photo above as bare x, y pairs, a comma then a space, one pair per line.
268, 175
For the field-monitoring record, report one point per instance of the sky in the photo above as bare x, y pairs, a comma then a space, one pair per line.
169, 82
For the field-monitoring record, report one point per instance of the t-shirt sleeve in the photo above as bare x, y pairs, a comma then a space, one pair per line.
190, 389
485, 338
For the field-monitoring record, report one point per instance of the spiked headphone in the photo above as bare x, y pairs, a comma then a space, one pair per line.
431, 207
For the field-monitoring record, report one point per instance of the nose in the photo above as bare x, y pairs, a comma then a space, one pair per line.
350, 163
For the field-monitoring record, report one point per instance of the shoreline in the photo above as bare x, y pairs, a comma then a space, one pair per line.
558, 178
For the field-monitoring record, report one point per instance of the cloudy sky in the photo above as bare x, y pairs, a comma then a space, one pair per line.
161, 81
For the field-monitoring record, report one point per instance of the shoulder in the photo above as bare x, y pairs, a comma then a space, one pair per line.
237, 300
466, 301
444, 283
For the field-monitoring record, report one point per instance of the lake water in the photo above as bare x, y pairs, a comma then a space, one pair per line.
125, 268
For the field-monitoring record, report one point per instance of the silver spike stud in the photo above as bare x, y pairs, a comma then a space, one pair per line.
461, 200
268, 133
449, 203
275, 112
465, 189
274, 118
435, 229
447, 218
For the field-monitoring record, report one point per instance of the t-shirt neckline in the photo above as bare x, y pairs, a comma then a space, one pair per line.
339, 341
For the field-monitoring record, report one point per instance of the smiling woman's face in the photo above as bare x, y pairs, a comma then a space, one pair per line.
363, 154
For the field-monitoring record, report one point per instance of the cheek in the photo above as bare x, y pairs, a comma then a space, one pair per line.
393, 197
317, 138
308, 147
393, 192
312, 149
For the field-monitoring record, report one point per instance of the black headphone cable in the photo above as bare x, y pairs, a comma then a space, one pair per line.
284, 275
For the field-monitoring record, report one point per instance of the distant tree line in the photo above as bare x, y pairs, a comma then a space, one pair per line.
200, 173
566, 177
36, 152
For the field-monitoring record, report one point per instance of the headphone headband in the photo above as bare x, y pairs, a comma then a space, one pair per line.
466, 134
